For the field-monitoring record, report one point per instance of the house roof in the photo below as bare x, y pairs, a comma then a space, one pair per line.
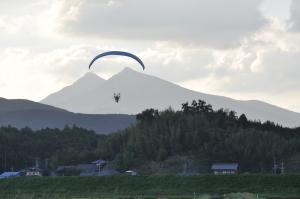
61, 168
9, 174
33, 169
86, 166
225, 166
99, 162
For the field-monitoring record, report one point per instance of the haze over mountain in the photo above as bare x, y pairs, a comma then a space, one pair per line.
23, 113
93, 95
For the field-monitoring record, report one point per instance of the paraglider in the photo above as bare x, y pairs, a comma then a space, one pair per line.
118, 53
117, 97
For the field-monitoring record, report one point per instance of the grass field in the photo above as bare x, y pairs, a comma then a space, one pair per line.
203, 186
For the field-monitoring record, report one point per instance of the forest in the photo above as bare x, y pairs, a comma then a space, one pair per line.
166, 141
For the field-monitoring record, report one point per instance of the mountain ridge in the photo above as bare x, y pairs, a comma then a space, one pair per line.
8, 105
24, 113
140, 91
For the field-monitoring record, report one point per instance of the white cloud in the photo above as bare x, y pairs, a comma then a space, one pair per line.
32, 75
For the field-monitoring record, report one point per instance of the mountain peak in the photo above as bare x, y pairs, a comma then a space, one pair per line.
87, 82
128, 73
128, 70
89, 79
90, 76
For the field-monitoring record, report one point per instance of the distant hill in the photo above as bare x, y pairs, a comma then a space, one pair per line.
140, 91
21, 113
7, 105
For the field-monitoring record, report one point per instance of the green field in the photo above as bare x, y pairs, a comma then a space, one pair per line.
204, 186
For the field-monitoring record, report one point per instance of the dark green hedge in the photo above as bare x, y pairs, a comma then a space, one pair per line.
155, 185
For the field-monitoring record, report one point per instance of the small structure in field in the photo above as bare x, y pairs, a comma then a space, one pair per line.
225, 168
131, 173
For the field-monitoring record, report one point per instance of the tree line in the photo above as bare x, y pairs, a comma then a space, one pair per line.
201, 132
195, 131
22, 148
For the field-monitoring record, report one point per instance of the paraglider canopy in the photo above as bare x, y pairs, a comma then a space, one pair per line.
118, 53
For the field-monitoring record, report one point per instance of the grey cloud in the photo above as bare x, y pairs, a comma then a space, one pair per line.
211, 23
295, 15
194, 65
16, 7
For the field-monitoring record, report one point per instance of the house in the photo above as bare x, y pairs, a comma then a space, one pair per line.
33, 172
69, 170
105, 168
108, 172
99, 162
10, 174
87, 169
225, 168
95, 168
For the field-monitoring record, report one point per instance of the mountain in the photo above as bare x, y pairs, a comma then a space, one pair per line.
83, 85
140, 91
23, 113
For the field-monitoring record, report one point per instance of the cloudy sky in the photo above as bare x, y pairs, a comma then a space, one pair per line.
240, 49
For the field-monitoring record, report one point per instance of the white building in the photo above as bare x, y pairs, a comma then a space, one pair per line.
225, 168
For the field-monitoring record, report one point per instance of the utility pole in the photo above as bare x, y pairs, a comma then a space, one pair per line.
282, 167
5, 159
274, 165
37, 163
99, 166
46, 163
